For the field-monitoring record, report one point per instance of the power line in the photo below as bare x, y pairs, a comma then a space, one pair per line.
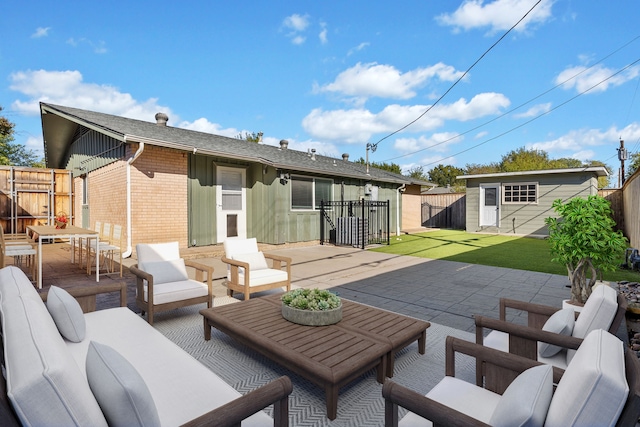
519, 106
374, 146
538, 116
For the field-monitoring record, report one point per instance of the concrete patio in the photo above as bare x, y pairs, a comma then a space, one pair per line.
448, 293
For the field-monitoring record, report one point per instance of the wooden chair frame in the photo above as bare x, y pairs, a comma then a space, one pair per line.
234, 284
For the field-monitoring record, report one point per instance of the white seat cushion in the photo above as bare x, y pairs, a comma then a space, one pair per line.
593, 389
176, 291
461, 396
264, 277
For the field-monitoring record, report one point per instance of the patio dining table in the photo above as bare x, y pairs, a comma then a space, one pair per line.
69, 232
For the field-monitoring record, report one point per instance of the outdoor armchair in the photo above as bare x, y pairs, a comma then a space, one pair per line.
162, 281
248, 270
599, 387
552, 335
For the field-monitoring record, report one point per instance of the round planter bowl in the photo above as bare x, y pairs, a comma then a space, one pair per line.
310, 317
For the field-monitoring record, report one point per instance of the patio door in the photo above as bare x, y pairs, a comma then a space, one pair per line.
489, 205
231, 204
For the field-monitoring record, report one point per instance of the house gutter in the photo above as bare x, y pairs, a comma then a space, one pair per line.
132, 159
399, 191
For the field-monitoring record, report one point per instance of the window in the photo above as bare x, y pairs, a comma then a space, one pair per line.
525, 192
307, 193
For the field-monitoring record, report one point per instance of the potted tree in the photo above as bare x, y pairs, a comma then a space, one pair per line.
584, 240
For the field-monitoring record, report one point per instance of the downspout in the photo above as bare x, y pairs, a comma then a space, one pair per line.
398, 193
132, 159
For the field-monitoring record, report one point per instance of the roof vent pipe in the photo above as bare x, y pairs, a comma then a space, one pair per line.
313, 154
284, 144
161, 119
345, 157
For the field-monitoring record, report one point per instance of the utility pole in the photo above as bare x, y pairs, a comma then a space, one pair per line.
622, 156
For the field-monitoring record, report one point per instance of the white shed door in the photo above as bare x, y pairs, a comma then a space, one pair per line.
489, 205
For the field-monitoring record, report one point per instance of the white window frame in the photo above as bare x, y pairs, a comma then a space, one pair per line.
509, 192
315, 204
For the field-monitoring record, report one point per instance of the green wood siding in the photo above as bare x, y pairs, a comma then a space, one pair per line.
269, 215
528, 219
201, 194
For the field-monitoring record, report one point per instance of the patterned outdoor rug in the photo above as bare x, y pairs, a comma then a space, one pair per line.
360, 403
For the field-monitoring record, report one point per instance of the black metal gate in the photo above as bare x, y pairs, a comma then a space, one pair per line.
355, 223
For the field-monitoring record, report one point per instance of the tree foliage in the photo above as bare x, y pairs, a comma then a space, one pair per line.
251, 137
15, 154
445, 175
390, 167
584, 240
417, 172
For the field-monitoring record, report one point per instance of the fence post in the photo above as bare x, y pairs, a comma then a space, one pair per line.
362, 219
322, 222
389, 225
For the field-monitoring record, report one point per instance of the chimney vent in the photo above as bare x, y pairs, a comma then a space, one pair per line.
345, 157
161, 119
284, 144
313, 154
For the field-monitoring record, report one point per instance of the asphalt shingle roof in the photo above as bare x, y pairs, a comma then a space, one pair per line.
210, 144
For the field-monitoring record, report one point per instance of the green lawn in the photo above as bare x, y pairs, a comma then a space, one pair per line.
524, 253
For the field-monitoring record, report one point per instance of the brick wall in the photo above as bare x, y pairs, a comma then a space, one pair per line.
159, 196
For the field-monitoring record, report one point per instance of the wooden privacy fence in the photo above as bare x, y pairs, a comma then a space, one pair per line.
444, 210
33, 196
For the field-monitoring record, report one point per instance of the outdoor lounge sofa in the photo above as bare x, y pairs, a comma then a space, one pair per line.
600, 387
552, 335
66, 368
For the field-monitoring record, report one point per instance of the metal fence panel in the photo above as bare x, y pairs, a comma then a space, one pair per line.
355, 223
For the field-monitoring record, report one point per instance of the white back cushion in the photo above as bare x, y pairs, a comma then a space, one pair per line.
239, 245
598, 313
561, 322
166, 271
153, 252
526, 401
44, 384
593, 389
13, 283
66, 314
256, 260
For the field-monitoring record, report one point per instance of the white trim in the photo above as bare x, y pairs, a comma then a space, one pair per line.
598, 170
481, 215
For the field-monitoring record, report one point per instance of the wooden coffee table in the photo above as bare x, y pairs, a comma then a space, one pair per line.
329, 356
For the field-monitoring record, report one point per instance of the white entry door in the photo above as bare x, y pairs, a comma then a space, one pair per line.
489, 205
231, 205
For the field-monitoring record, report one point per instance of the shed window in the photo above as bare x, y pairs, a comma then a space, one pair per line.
307, 193
525, 192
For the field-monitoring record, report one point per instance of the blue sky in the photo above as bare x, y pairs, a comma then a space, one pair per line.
336, 75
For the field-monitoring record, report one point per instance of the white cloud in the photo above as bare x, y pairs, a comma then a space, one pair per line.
296, 24
40, 32
534, 111
99, 47
323, 33
385, 81
204, 125
358, 48
498, 15
438, 142
583, 78
358, 125
67, 88
575, 143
